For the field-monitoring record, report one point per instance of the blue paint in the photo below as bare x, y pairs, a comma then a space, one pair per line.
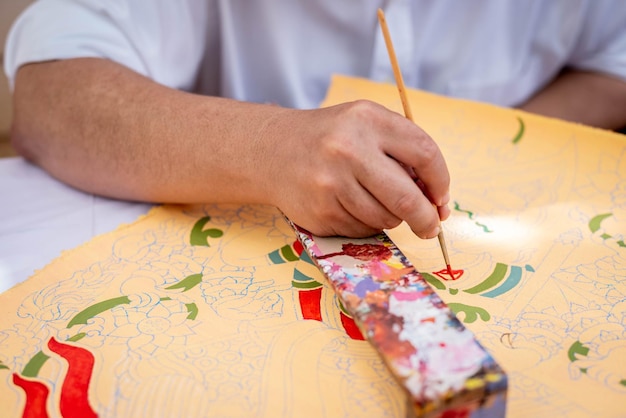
364, 286
515, 276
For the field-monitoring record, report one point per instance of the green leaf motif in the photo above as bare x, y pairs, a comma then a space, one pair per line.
98, 308
199, 236
187, 283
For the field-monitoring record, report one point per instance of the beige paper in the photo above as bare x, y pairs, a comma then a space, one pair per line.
199, 311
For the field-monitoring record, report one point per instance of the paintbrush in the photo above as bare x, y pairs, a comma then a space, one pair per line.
407, 113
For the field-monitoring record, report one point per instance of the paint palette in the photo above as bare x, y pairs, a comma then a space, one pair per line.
445, 371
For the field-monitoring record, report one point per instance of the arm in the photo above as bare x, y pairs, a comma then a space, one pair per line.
102, 128
585, 97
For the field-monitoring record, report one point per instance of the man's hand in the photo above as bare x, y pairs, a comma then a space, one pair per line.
102, 128
337, 171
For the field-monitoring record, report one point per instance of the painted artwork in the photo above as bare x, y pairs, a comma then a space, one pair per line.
217, 310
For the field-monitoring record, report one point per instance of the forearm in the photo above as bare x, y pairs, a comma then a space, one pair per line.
105, 129
590, 98
335, 171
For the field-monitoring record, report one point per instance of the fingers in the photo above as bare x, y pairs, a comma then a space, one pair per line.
368, 210
444, 212
333, 220
355, 169
404, 170
392, 186
414, 148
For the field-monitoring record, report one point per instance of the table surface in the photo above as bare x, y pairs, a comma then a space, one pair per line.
40, 217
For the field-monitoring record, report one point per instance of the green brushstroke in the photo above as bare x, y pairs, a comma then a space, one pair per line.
77, 337
433, 281
496, 277
483, 226
283, 254
515, 276
594, 223
470, 215
192, 308
187, 283
520, 131
200, 237
306, 285
577, 348
471, 312
34, 365
457, 207
288, 253
98, 308
343, 308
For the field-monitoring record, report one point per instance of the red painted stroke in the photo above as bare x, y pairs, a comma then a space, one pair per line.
350, 326
297, 247
36, 397
449, 274
310, 303
74, 402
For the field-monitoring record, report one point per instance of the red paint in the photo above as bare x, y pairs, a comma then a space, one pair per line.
74, 401
350, 326
364, 252
36, 397
297, 247
310, 303
457, 413
448, 273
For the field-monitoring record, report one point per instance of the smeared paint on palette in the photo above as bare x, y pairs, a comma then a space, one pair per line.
445, 371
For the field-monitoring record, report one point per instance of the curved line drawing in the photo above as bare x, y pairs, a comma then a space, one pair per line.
515, 276
494, 278
506, 340
520, 131
484, 227
470, 215
457, 207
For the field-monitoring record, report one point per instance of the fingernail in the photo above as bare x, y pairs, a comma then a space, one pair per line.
445, 199
435, 232
444, 212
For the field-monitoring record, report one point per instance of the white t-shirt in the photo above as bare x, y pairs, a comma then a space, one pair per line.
284, 51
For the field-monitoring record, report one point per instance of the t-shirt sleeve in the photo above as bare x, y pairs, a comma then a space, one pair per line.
601, 46
161, 39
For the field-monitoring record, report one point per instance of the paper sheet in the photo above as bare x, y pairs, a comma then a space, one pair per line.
538, 226
210, 311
